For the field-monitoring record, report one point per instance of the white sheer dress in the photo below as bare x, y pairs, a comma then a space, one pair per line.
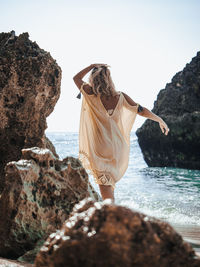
104, 137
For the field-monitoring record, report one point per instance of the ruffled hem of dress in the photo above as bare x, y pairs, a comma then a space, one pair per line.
100, 177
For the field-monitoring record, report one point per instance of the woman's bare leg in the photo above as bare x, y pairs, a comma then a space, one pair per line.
107, 191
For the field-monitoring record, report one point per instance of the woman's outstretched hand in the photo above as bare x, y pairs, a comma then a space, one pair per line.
152, 116
164, 128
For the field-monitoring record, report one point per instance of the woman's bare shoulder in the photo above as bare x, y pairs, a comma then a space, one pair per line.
129, 100
88, 89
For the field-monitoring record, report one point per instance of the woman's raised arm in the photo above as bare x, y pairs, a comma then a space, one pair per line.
79, 76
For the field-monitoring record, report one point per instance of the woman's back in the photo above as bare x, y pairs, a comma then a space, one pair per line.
110, 102
104, 135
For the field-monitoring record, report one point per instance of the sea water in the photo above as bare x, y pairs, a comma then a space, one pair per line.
169, 194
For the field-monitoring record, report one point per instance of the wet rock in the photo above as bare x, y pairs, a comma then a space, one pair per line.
39, 194
179, 105
29, 89
102, 234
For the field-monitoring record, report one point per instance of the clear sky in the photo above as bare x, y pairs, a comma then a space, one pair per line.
145, 41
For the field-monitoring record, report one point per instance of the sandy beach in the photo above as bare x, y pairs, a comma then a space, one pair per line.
12, 263
191, 234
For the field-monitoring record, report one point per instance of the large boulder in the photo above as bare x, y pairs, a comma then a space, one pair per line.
103, 234
179, 105
39, 194
29, 89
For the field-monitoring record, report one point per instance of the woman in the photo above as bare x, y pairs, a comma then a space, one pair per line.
107, 117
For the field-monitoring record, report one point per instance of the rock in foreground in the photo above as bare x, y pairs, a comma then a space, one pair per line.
39, 194
179, 105
29, 89
101, 234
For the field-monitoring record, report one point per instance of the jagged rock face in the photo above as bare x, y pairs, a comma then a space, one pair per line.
29, 89
39, 194
179, 105
102, 234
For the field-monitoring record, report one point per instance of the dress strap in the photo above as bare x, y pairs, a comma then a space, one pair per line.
81, 89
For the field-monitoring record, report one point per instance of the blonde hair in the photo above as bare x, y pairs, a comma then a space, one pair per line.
101, 81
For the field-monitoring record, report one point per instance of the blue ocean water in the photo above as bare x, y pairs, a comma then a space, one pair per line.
170, 194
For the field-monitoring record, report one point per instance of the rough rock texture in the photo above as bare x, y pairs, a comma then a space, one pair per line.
179, 105
39, 194
29, 89
101, 234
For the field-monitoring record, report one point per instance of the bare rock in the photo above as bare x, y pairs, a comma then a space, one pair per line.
48, 144
39, 194
179, 105
29, 89
102, 234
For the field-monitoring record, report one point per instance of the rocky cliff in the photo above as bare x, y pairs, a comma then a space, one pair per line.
179, 105
29, 89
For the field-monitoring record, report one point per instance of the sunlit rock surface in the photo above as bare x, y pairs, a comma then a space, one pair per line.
29, 89
102, 234
179, 105
40, 192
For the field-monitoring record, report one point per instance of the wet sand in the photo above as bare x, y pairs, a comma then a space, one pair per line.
191, 234
12, 263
